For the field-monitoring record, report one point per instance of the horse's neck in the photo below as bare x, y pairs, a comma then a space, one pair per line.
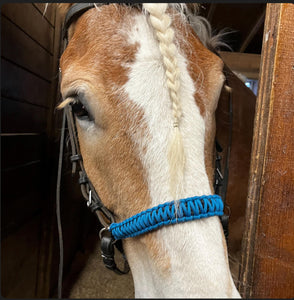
175, 262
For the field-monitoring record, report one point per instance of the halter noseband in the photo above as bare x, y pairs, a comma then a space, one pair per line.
164, 214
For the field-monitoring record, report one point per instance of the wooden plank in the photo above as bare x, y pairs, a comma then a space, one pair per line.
19, 261
18, 47
212, 8
22, 15
28, 179
15, 217
48, 12
245, 63
22, 149
19, 84
256, 27
54, 119
22, 117
25, 191
21, 203
268, 244
236, 17
47, 275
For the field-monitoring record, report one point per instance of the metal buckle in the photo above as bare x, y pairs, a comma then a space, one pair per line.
89, 202
75, 157
219, 173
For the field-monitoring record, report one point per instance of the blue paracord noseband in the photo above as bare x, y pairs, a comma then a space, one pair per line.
165, 214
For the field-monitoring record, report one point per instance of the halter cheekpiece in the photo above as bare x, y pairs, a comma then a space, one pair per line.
168, 213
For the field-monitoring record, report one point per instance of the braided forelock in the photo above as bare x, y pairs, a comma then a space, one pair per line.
161, 23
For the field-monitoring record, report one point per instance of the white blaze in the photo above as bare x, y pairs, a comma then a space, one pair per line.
195, 248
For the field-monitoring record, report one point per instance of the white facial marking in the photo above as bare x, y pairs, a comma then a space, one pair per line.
198, 262
147, 89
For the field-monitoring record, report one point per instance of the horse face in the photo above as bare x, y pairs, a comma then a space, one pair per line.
113, 67
95, 69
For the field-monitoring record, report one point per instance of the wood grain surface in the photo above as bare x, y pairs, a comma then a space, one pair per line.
268, 244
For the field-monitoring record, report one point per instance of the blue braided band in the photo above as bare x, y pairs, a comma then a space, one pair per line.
164, 214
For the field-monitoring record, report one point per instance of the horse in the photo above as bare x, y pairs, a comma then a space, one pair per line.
144, 88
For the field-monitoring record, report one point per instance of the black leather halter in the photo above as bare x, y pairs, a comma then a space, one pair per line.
89, 193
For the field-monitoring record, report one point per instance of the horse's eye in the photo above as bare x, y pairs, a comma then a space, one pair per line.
81, 111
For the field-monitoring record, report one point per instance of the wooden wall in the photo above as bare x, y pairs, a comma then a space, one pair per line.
26, 77
268, 243
30, 128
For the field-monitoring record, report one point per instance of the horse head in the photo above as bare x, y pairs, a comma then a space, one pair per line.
144, 89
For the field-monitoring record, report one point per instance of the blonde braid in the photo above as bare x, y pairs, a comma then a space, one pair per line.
161, 23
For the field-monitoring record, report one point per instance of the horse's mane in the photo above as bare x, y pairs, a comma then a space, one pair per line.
189, 12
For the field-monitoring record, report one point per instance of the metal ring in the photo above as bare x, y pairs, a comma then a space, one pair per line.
100, 232
228, 210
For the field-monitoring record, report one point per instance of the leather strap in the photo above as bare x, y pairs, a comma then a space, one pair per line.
107, 253
74, 12
221, 179
88, 191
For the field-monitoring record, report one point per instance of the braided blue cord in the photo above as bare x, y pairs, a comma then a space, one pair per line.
164, 214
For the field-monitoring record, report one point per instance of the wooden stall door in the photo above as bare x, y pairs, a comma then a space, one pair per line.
268, 244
